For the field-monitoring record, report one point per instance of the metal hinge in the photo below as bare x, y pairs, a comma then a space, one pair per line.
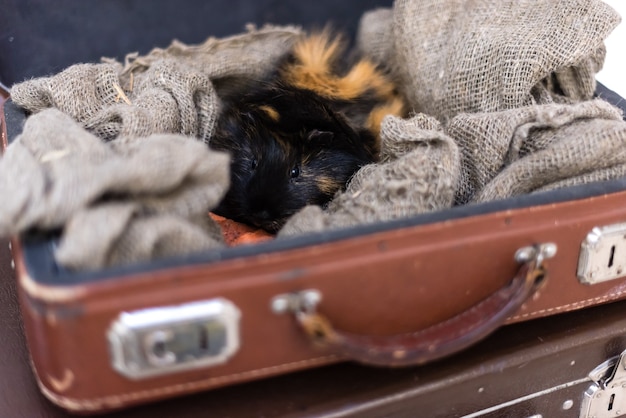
606, 397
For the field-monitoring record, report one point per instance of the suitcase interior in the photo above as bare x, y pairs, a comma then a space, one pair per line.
107, 29
38, 247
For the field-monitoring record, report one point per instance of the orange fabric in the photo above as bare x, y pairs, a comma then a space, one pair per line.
236, 233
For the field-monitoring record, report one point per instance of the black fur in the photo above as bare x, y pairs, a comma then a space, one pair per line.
279, 165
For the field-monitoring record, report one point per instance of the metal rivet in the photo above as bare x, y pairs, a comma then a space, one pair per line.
12, 265
311, 298
567, 404
280, 304
572, 363
481, 390
549, 250
542, 251
305, 300
524, 254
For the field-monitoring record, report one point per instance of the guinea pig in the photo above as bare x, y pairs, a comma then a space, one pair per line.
298, 137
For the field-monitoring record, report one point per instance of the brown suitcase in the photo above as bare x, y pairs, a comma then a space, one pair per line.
388, 294
527, 369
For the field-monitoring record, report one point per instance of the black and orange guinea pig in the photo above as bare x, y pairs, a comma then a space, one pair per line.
298, 137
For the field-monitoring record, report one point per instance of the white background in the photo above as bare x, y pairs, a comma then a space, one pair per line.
613, 74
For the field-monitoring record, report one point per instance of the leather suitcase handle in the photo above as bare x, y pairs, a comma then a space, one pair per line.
437, 341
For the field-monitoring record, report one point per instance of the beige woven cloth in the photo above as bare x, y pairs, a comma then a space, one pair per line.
122, 201
470, 56
170, 90
537, 148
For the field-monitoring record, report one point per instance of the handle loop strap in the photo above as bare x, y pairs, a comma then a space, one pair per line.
434, 342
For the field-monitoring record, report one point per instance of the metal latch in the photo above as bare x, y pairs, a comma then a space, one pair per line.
606, 397
170, 339
603, 254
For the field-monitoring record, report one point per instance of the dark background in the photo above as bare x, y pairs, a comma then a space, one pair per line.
40, 37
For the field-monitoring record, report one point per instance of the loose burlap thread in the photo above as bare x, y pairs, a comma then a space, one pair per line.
501, 104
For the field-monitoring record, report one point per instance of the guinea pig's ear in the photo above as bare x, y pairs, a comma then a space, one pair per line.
320, 137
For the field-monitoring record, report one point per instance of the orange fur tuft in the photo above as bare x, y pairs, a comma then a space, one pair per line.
313, 70
317, 53
270, 112
393, 107
327, 184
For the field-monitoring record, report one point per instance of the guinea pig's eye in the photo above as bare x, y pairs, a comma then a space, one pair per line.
295, 171
253, 164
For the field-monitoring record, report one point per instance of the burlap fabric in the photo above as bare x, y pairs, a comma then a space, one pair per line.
457, 56
170, 90
524, 150
120, 201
